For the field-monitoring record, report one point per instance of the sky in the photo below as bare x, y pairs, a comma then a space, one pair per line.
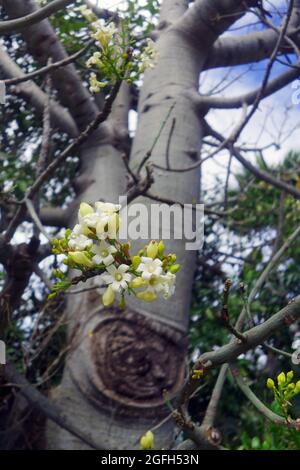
277, 119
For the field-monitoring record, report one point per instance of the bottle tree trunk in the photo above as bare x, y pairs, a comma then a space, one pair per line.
124, 364
121, 362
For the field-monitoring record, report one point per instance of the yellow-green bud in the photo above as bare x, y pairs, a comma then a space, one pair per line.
291, 386
175, 268
141, 252
270, 384
173, 257
290, 375
135, 262
146, 296
197, 374
281, 379
80, 258
137, 282
161, 248
152, 249
297, 387
108, 297
147, 441
113, 225
85, 209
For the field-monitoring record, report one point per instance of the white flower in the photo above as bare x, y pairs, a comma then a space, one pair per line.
94, 60
168, 283
164, 284
90, 220
148, 56
117, 278
106, 208
95, 85
104, 33
78, 239
150, 267
103, 253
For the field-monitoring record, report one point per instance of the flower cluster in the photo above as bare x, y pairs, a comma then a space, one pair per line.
115, 58
93, 248
285, 390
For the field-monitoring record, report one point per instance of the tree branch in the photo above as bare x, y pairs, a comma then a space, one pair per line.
253, 47
273, 181
274, 85
207, 20
60, 117
12, 26
255, 336
49, 409
42, 43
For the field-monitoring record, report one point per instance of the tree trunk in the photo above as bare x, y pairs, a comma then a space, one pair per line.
122, 362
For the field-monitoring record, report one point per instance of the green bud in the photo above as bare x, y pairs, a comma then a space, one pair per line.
290, 375
108, 297
146, 296
136, 261
79, 257
175, 268
147, 441
137, 282
161, 248
173, 257
281, 379
297, 387
152, 249
51, 296
270, 384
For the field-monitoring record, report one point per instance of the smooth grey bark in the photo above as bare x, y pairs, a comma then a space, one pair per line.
43, 44
253, 47
120, 362
60, 117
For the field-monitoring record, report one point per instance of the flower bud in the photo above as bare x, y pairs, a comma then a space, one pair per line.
173, 257
79, 257
108, 297
152, 249
281, 379
113, 225
270, 384
85, 209
147, 296
297, 387
136, 261
175, 268
161, 248
290, 375
137, 283
141, 252
147, 441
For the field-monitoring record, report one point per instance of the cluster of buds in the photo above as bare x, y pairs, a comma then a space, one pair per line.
284, 390
197, 374
115, 58
93, 248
